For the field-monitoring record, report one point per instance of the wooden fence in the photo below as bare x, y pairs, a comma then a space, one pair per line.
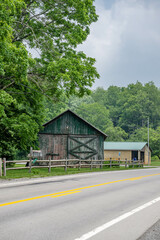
76, 163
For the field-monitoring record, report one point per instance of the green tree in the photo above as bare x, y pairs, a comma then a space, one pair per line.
52, 109
19, 118
154, 138
74, 102
19, 124
116, 134
54, 28
99, 95
113, 103
137, 104
153, 108
95, 114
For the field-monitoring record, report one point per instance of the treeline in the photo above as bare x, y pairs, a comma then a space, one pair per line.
121, 112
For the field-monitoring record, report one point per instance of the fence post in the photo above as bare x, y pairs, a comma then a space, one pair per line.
30, 165
110, 163
66, 165
30, 160
0, 167
80, 164
101, 165
125, 163
91, 165
4, 166
139, 164
49, 168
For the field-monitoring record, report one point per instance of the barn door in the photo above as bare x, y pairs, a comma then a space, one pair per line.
82, 147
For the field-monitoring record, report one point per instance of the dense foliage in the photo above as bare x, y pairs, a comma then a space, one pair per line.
54, 29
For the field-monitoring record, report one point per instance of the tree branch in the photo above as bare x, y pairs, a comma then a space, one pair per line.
8, 85
36, 82
28, 5
24, 25
14, 40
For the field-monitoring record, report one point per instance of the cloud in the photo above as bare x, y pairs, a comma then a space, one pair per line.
125, 42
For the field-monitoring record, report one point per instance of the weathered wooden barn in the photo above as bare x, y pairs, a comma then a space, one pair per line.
70, 136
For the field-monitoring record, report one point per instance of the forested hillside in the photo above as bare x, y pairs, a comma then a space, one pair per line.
121, 112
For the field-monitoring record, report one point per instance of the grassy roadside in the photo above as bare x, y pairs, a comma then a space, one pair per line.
155, 163
43, 172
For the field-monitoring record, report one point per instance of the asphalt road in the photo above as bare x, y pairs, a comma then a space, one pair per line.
106, 205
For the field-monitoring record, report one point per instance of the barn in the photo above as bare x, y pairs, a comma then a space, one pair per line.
68, 136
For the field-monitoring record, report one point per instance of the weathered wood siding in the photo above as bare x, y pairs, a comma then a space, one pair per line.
85, 147
53, 144
69, 124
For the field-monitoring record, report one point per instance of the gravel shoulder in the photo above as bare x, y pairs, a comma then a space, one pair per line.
13, 180
152, 233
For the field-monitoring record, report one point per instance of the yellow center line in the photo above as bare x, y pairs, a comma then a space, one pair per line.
64, 194
136, 178
58, 194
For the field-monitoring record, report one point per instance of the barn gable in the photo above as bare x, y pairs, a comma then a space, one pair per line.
70, 123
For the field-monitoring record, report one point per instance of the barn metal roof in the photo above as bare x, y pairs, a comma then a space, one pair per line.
105, 135
124, 145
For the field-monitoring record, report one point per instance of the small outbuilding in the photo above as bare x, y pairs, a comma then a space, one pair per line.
127, 150
68, 136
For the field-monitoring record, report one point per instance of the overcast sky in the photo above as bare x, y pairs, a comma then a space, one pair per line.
125, 42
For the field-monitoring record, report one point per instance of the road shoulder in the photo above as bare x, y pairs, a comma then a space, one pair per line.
152, 233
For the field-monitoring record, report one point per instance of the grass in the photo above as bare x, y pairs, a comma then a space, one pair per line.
155, 163
43, 172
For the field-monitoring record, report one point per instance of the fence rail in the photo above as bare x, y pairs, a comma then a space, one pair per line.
76, 163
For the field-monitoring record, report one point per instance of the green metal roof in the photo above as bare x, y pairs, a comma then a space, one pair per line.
124, 145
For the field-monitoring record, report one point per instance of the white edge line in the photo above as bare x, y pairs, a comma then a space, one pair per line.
116, 220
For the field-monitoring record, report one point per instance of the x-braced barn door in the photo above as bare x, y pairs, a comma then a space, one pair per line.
82, 147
